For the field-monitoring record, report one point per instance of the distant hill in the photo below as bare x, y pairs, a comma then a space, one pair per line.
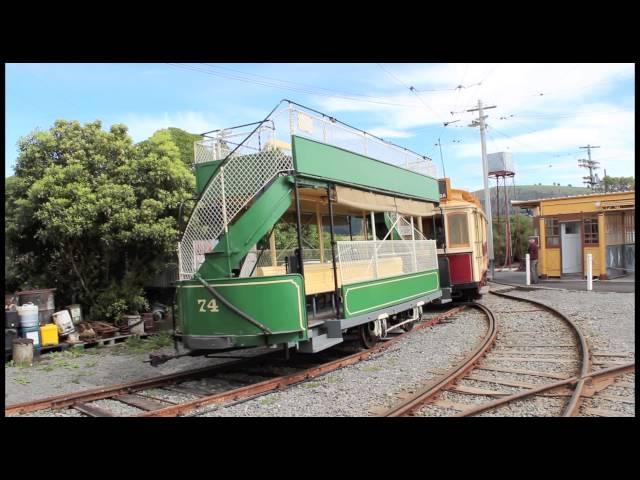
530, 192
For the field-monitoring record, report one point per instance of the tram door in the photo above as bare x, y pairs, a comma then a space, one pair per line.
571, 248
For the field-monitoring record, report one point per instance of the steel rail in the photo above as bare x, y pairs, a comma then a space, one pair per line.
574, 403
70, 399
415, 401
279, 382
581, 379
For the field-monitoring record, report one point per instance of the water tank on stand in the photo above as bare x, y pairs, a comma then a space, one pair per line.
500, 163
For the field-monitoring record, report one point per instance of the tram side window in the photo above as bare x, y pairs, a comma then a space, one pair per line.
458, 230
428, 229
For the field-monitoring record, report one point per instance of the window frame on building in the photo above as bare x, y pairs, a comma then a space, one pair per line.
550, 224
590, 232
628, 227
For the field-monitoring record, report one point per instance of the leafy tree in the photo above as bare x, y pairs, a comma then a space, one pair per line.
181, 139
521, 228
618, 184
94, 215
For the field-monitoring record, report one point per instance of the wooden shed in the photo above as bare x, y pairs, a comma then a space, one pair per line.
569, 228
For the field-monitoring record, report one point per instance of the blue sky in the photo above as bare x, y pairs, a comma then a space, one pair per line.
544, 111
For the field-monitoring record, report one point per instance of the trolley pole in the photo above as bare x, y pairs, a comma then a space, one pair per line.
485, 169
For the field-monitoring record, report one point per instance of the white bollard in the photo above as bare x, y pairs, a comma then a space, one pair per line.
528, 266
589, 271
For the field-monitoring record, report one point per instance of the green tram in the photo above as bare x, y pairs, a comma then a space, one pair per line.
305, 229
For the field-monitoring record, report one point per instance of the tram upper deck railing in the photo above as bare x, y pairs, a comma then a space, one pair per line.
292, 119
252, 155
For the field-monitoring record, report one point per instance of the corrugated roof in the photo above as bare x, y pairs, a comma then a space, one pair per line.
525, 202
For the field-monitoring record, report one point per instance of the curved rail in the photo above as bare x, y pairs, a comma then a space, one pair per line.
572, 407
415, 401
606, 372
276, 383
68, 400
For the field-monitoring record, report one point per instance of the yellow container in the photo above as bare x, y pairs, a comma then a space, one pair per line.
49, 334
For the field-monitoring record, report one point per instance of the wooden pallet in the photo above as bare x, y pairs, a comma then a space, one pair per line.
109, 341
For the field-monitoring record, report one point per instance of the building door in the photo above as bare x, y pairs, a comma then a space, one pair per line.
570, 241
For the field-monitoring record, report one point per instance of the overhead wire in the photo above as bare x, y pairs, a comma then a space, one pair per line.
293, 83
284, 87
411, 89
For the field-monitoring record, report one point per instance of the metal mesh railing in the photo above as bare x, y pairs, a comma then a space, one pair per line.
219, 144
404, 227
369, 260
252, 166
253, 157
325, 129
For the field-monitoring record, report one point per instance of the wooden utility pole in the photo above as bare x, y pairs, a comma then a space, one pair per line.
485, 178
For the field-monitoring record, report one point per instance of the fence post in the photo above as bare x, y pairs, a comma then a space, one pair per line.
589, 271
528, 266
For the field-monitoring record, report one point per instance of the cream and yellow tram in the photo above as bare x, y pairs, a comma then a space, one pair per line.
459, 227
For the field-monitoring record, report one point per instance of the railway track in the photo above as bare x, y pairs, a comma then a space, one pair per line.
228, 382
553, 348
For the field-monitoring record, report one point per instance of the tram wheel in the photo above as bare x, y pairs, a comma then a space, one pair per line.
407, 327
367, 338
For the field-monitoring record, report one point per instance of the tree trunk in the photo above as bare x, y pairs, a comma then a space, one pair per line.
75, 269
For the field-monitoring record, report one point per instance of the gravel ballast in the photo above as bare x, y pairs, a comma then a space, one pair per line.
66, 372
372, 385
607, 321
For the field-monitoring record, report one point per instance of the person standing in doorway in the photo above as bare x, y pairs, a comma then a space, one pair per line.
533, 257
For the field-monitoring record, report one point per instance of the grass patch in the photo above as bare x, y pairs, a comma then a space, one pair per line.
155, 342
90, 364
21, 380
13, 364
334, 380
311, 384
64, 364
74, 352
371, 368
268, 401
47, 368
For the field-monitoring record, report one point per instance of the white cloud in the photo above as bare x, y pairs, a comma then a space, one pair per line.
609, 126
389, 133
143, 126
515, 88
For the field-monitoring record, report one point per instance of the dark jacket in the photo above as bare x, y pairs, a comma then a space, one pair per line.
533, 251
